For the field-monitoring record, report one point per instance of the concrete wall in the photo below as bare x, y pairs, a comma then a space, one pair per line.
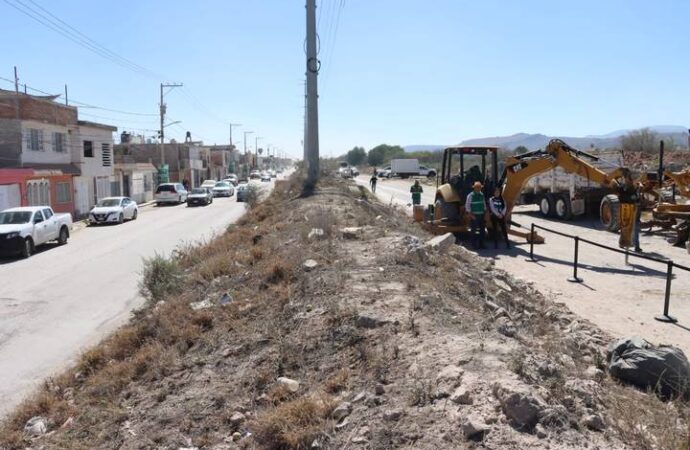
48, 154
93, 166
10, 142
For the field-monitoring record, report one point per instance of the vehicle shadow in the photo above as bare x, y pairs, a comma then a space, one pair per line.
40, 249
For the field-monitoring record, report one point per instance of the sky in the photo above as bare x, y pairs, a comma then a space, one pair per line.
392, 71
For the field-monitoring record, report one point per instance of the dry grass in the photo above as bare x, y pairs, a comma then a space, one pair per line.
294, 424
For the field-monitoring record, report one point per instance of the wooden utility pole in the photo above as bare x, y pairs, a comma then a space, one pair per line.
163, 109
312, 144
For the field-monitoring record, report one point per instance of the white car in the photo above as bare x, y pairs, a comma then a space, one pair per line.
208, 184
232, 178
171, 193
265, 176
223, 189
272, 173
23, 229
113, 210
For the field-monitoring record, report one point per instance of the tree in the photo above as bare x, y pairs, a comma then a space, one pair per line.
384, 153
643, 140
520, 149
356, 156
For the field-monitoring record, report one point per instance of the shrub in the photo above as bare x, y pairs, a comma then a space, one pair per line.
161, 277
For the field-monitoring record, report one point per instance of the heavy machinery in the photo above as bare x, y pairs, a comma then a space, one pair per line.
481, 164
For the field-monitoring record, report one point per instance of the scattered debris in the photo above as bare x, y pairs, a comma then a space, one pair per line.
203, 304
317, 233
292, 385
36, 426
441, 243
474, 427
351, 232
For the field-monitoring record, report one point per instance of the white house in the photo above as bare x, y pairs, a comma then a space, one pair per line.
92, 153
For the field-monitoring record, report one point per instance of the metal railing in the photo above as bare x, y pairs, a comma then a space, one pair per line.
664, 317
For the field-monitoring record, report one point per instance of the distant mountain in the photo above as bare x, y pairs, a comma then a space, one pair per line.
535, 141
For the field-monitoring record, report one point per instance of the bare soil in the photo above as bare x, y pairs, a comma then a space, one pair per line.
380, 342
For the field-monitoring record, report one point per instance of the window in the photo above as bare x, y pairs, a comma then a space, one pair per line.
64, 193
38, 193
47, 213
106, 155
88, 149
59, 142
34, 139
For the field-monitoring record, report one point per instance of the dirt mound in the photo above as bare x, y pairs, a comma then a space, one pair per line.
328, 322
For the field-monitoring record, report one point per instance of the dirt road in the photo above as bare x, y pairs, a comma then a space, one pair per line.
622, 299
66, 298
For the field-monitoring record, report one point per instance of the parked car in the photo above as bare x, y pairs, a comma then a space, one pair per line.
427, 172
223, 189
272, 173
242, 192
210, 184
265, 176
254, 175
171, 193
113, 210
23, 229
232, 178
200, 196
354, 171
384, 173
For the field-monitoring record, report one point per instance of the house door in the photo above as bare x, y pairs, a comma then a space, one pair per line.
125, 185
82, 197
10, 196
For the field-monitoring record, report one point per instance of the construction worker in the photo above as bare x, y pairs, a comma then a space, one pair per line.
630, 212
475, 205
372, 181
416, 191
498, 216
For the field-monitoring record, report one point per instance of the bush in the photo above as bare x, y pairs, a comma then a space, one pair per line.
161, 277
252, 198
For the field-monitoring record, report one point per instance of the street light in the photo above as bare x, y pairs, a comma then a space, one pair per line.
256, 150
233, 125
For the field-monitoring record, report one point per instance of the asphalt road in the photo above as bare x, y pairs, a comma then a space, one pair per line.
66, 298
621, 298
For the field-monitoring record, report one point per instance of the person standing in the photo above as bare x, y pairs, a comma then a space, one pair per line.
498, 216
475, 205
372, 181
629, 213
416, 191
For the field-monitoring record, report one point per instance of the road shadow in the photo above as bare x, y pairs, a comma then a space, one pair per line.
37, 251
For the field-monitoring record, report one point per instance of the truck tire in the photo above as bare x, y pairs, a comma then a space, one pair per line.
431, 174
609, 212
62, 237
563, 208
28, 248
546, 205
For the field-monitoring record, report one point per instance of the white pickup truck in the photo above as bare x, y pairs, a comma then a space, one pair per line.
23, 229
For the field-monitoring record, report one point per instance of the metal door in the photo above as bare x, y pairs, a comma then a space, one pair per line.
10, 196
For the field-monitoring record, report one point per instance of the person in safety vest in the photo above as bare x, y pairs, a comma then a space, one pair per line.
498, 216
475, 205
416, 191
630, 211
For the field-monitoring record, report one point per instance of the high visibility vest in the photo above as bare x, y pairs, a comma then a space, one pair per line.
477, 205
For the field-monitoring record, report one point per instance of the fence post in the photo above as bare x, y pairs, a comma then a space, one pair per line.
574, 278
665, 317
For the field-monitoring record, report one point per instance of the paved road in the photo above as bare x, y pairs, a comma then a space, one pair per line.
64, 299
621, 299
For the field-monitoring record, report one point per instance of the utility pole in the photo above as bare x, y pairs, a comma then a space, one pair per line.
66, 97
16, 92
163, 109
233, 125
246, 161
304, 139
256, 151
313, 64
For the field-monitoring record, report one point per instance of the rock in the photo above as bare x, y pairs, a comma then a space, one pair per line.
369, 322
392, 415
204, 304
309, 265
506, 327
594, 422
69, 423
491, 306
461, 396
540, 431
342, 411
379, 389
372, 402
292, 385
594, 373
503, 285
236, 436
225, 299
359, 397
547, 369
237, 419
36, 426
447, 380
441, 243
585, 390
474, 427
351, 232
521, 406
359, 440
343, 424
567, 361
316, 233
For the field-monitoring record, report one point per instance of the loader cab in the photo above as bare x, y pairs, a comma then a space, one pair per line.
462, 166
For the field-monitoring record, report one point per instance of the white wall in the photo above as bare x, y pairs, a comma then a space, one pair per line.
93, 167
48, 155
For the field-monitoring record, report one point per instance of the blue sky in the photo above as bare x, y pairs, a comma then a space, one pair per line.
394, 71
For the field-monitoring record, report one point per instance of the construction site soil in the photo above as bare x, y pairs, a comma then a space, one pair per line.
331, 321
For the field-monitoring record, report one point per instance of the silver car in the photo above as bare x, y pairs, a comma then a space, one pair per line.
223, 189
